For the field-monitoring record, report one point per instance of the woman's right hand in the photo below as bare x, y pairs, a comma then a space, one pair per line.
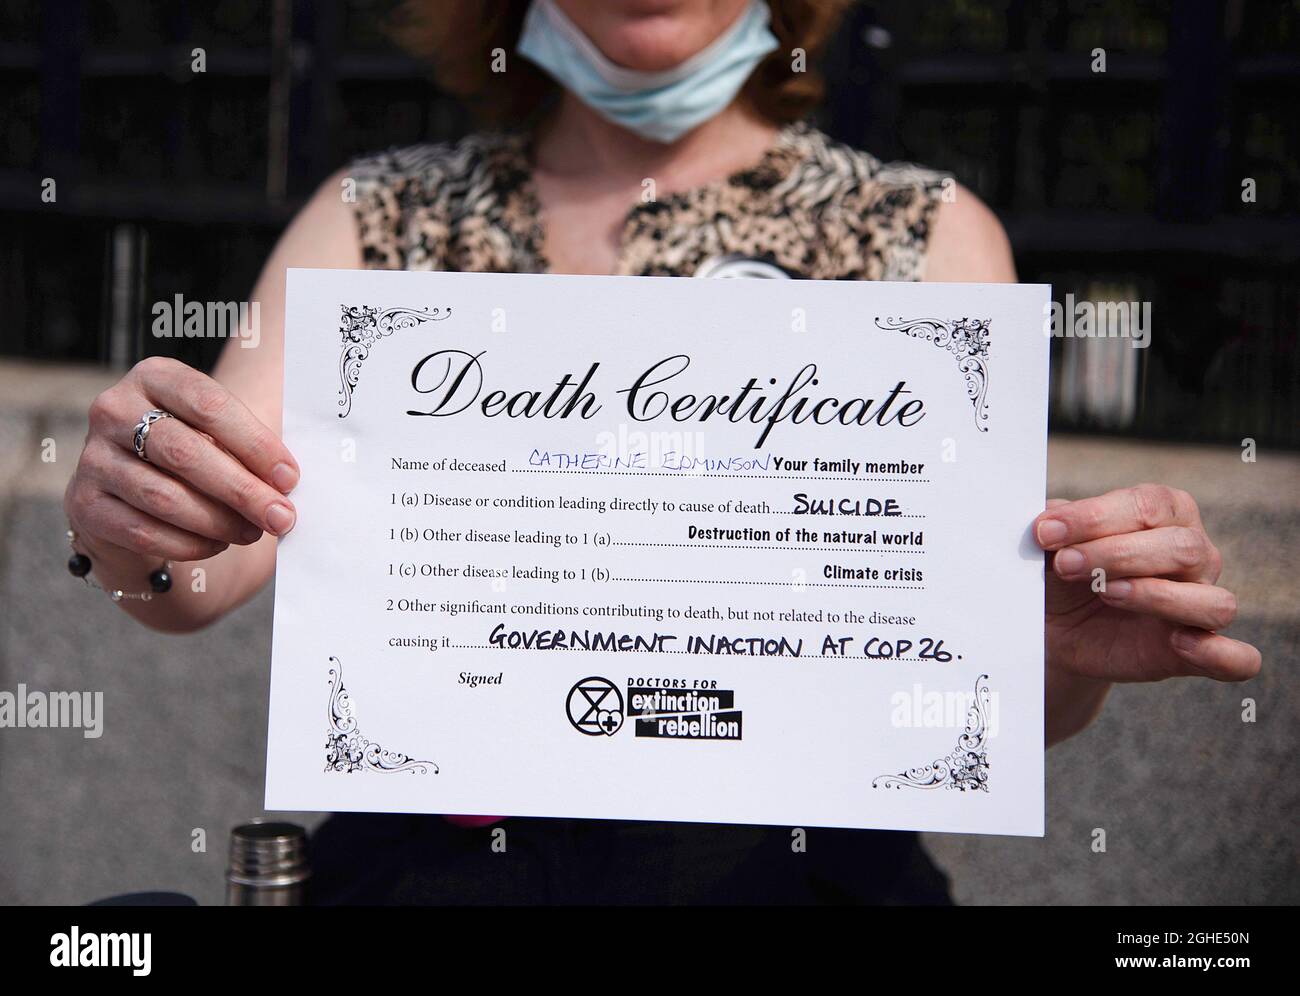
215, 474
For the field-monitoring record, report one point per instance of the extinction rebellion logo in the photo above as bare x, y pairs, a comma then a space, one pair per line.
661, 708
595, 707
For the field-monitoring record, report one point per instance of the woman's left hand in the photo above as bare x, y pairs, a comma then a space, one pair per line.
1158, 606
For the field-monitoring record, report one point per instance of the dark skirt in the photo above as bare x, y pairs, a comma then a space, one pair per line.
371, 859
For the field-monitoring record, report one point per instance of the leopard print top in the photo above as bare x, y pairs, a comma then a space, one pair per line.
812, 206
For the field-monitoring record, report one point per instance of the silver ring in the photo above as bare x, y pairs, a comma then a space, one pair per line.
141, 437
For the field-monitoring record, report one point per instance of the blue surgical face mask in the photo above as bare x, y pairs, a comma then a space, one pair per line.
661, 106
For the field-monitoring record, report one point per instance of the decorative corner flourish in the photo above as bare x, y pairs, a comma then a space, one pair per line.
968, 340
347, 750
966, 767
360, 327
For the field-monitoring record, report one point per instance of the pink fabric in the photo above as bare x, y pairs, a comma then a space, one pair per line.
473, 821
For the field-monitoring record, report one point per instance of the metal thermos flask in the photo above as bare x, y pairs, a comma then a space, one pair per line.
268, 865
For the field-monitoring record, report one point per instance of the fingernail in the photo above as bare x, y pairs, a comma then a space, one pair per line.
284, 477
250, 534
280, 518
1070, 563
1118, 590
1051, 532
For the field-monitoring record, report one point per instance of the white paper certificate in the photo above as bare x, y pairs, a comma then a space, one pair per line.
738, 551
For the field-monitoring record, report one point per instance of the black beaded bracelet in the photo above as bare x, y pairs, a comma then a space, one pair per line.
79, 566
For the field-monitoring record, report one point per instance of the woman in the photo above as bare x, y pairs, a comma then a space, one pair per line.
650, 137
